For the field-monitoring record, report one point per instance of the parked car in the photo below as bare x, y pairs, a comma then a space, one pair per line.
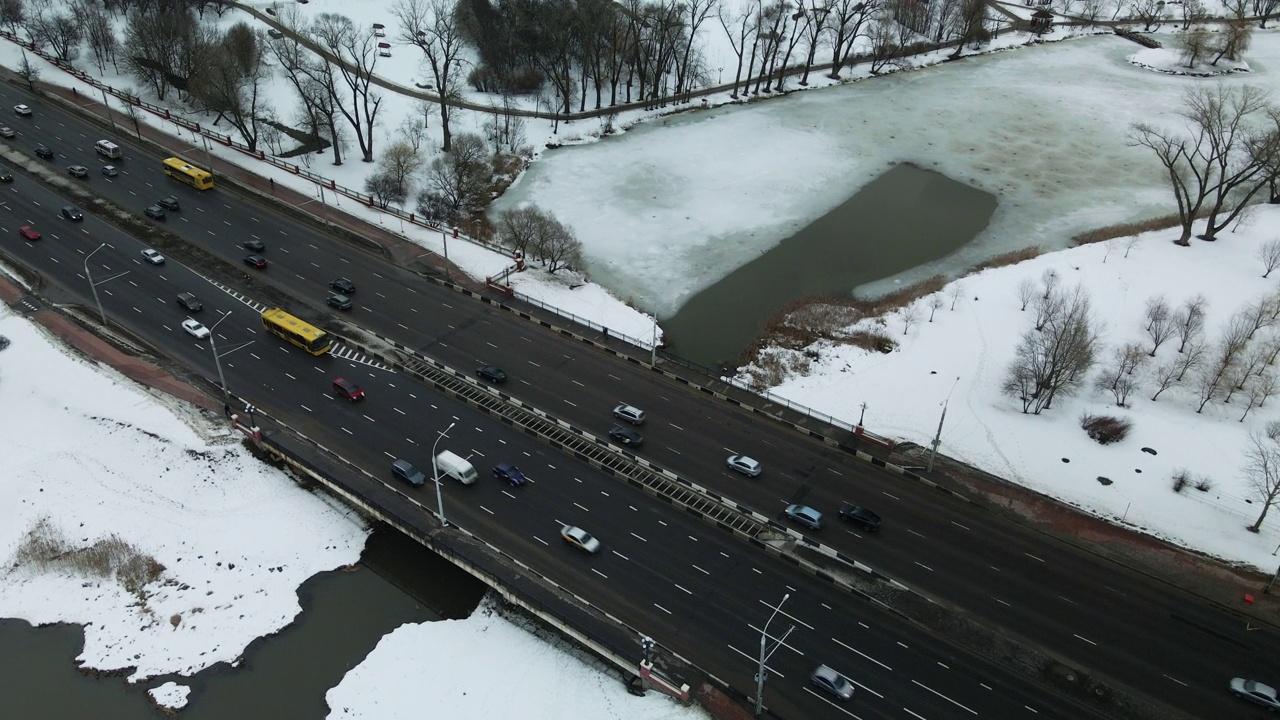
256, 261
344, 388
344, 286
79, 171
22, 110
190, 302
110, 170
626, 436
153, 257
493, 374
6, 131
70, 212
341, 302
1256, 692
579, 538
509, 473
29, 233
805, 515
824, 678
629, 413
405, 470
745, 465
44, 152
169, 203
255, 245
155, 212
860, 516
195, 329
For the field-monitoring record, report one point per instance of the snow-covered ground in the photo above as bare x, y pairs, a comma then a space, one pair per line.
963, 354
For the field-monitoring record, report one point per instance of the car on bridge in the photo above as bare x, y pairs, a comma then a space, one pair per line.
745, 465
344, 388
339, 302
29, 233
255, 245
155, 212
22, 110
629, 413
190, 302
626, 436
510, 473
860, 516
169, 203
70, 212
255, 261
343, 285
110, 170
824, 678
493, 374
195, 329
153, 257
78, 171
405, 470
805, 515
43, 151
1256, 692
579, 538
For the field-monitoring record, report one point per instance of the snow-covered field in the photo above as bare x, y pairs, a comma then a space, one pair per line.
963, 354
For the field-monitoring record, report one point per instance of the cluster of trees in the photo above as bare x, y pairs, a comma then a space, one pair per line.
1227, 151
535, 233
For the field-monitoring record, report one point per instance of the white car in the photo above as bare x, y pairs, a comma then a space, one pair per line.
153, 257
6, 131
743, 464
579, 538
22, 109
195, 329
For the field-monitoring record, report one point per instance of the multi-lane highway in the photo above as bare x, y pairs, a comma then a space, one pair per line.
712, 592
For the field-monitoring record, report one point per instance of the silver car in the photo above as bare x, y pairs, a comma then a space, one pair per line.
745, 465
833, 682
805, 515
629, 413
1256, 692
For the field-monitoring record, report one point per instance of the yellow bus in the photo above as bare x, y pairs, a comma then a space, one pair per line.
291, 329
183, 171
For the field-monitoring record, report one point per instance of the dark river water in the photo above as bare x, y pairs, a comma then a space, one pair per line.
905, 218
344, 615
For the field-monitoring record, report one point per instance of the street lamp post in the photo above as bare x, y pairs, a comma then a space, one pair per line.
764, 635
107, 108
435, 474
937, 438
217, 362
92, 286
653, 343
646, 644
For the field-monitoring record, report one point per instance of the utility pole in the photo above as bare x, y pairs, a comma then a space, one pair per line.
764, 635
937, 438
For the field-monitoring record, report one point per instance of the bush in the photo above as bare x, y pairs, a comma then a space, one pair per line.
1181, 479
1105, 429
1204, 483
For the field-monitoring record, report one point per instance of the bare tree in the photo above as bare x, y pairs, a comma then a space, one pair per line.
1262, 387
1260, 313
1050, 278
1195, 44
1189, 320
1269, 254
1216, 373
1026, 292
885, 44
519, 227
1054, 360
848, 20
99, 31
13, 14
1192, 359
955, 292
1166, 375
160, 45
383, 188
1237, 35
1238, 154
909, 315
740, 29
1160, 322
1046, 307
353, 54
935, 302
1264, 10
1150, 12
400, 161
433, 26
1120, 376
60, 31
457, 182
232, 81
1263, 468
556, 244
970, 25
28, 72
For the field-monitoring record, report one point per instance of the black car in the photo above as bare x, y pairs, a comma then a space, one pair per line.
860, 516
343, 285
256, 261
44, 152
341, 302
405, 470
190, 302
154, 212
492, 374
169, 204
626, 436
71, 213
254, 245
5, 176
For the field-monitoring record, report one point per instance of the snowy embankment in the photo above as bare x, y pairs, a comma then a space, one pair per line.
146, 523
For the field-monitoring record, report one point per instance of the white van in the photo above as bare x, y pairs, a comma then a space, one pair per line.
107, 148
455, 467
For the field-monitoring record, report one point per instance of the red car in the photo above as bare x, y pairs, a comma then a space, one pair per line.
29, 233
346, 389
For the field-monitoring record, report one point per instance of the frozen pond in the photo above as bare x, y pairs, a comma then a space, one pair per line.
673, 206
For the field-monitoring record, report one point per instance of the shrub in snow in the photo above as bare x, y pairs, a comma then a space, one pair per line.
4, 342
1204, 483
1105, 428
1181, 479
